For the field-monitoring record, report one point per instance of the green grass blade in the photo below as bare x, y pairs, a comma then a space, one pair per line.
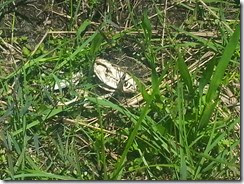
183, 167
206, 115
222, 64
207, 74
102, 145
205, 42
41, 59
96, 43
78, 50
33, 174
120, 163
146, 26
184, 72
82, 28
5, 3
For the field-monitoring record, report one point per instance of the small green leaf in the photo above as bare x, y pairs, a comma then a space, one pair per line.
83, 27
155, 82
26, 52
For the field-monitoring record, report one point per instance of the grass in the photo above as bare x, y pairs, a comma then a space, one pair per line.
184, 124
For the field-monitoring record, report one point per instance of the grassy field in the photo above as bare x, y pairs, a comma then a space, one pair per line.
58, 122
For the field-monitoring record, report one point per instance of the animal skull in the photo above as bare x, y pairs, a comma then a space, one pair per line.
114, 77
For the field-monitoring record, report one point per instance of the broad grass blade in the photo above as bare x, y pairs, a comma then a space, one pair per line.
222, 64
206, 115
207, 74
96, 43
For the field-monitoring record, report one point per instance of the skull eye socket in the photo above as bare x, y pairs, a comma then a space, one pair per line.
127, 85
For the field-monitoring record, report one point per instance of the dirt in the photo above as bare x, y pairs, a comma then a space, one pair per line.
32, 20
33, 17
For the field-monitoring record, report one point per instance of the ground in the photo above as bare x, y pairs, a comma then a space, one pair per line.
182, 123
